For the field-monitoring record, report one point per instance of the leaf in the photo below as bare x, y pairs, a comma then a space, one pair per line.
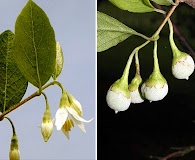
137, 6
110, 31
164, 2
13, 85
59, 61
35, 45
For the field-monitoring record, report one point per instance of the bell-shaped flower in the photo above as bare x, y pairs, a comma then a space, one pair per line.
70, 111
155, 88
182, 66
154, 91
118, 96
182, 63
14, 153
135, 94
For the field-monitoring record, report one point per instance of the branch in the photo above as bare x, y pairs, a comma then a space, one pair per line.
35, 94
179, 34
182, 151
189, 2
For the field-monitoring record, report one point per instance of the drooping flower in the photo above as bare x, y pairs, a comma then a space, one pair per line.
69, 111
47, 125
182, 66
182, 63
14, 153
118, 96
154, 91
134, 90
155, 88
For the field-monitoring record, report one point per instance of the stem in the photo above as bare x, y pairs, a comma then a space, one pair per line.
46, 100
127, 67
137, 66
155, 36
156, 64
143, 36
35, 94
166, 19
171, 40
178, 153
13, 128
60, 85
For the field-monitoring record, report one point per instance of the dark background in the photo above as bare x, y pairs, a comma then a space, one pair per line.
148, 128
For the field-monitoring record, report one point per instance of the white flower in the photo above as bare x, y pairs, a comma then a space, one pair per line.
156, 92
136, 97
67, 115
134, 89
60, 117
183, 67
117, 101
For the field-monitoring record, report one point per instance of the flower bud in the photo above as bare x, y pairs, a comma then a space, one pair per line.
47, 125
182, 66
155, 88
136, 97
118, 96
14, 153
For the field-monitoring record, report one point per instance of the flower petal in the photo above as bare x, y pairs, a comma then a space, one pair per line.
79, 124
60, 118
76, 105
77, 119
76, 116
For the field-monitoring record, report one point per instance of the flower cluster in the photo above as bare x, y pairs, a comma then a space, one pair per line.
121, 94
68, 113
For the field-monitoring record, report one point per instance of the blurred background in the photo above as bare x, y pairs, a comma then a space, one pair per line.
148, 128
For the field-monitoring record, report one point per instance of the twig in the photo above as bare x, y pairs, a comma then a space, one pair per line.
179, 34
179, 153
35, 94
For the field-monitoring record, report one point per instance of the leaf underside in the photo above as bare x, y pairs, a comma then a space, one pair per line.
59, 61
136, 6
163, 2
110, 32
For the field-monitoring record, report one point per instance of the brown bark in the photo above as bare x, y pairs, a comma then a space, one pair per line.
189, 2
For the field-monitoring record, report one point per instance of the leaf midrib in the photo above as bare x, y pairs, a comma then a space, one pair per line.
6, 66
35, 50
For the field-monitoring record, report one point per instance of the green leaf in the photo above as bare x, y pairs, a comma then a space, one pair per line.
35, 45
164, 2
110, 31
59, 61
12, 83
137, 6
